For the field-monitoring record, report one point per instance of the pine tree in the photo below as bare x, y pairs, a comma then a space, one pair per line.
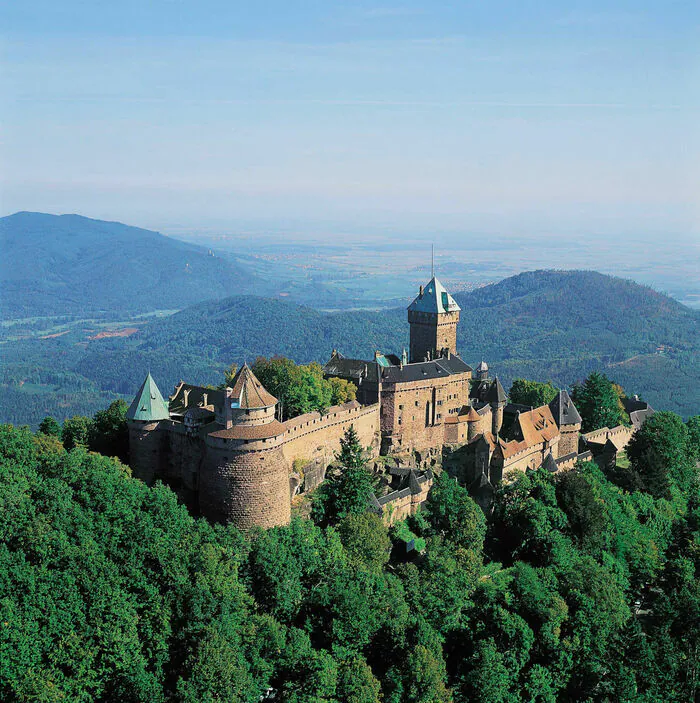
348, 489
598, 403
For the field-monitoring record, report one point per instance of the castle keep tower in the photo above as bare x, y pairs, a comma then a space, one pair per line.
143, 418
433, 318
244, 479
569, 422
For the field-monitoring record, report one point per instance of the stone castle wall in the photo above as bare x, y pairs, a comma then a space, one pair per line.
146, 450
530, 458
402, 504
568, 444
413, 414
316, 437
246, 488
621, 435
431, 332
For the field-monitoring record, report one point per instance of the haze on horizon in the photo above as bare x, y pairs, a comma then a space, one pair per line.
525, 119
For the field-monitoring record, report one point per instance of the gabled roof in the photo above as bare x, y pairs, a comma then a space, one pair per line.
249, 392
434, 298
537, 426
496, 394
424, 370
338, 365
188, 396
563, 410
148, 405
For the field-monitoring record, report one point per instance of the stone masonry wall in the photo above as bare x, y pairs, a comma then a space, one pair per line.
245, 488
183, 461
431, 333
316, 437
568, 444
413, 414
145, 450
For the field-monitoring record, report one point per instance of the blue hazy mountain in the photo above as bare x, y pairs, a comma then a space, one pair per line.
67, 264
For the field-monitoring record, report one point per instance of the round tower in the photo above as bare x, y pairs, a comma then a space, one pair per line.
143, 418
473, 425
245, 479
496, 397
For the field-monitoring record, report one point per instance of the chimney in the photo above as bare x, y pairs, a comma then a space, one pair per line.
420, 291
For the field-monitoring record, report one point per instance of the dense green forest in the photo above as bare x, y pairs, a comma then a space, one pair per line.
576, 588
543, 325
68, 264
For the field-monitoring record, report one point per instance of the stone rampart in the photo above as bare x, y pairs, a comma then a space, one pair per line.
315, 437
247, 488
145, 449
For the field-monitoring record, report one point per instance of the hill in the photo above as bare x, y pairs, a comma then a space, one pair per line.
561, 325
542, 325
68, 264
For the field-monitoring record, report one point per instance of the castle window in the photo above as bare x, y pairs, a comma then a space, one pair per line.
400, 407
399, 421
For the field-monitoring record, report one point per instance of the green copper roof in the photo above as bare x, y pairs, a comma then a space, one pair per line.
434, 298
148, 405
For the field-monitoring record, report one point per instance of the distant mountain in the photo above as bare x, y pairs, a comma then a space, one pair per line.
561, 325
541, 325
68, 264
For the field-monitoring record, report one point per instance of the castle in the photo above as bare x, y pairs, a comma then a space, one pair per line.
232, 460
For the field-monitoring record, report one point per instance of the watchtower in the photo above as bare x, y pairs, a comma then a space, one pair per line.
143, 418
245, 480
433, 317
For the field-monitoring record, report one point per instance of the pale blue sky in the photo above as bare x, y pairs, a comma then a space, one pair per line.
497, 115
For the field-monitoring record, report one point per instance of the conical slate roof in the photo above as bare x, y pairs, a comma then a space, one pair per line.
473, 416
148, 405
550, 464
249, 392
564, 410
496, 394
435, 299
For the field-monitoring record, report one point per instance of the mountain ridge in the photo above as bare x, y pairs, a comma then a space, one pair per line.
71, 264
539, 325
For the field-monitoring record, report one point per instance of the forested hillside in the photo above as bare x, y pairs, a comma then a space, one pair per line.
574, 590
543, 325
68, 264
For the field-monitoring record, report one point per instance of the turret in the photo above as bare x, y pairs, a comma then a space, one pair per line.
145, 413
473, 425
496, 398
433, 317
568, 420
482, 371
245, 479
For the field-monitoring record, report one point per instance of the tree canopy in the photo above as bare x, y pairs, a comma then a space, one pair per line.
301, 388
598, 401
576, 589
532, 393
